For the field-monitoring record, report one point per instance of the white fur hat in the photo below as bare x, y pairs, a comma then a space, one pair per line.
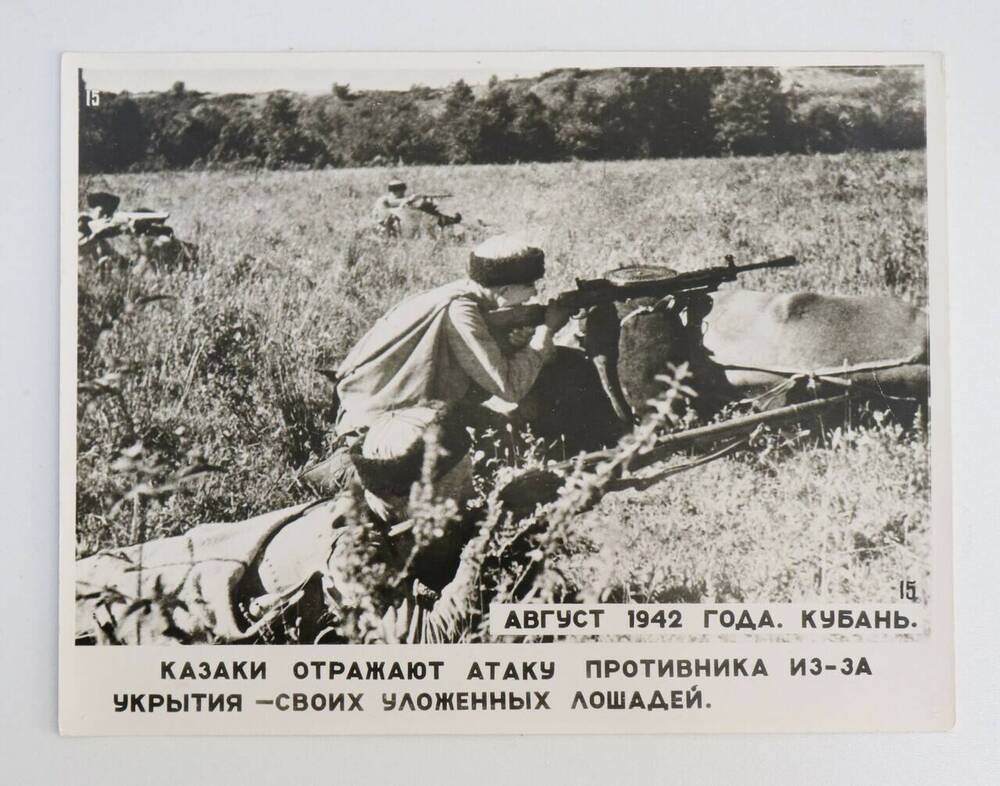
506, 259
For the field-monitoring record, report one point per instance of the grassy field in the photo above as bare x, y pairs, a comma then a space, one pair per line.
224, 371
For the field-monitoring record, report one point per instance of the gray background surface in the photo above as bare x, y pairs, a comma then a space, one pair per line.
33, 35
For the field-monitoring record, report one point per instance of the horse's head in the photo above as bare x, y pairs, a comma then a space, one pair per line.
631, 343
599, 333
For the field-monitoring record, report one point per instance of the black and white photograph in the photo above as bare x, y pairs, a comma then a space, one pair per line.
541, 353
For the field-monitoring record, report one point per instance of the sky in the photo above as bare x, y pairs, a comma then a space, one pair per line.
312, 81
315, 72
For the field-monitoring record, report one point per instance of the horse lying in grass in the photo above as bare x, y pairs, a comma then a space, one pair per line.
740, 342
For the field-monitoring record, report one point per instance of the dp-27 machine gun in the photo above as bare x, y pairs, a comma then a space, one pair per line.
617, 288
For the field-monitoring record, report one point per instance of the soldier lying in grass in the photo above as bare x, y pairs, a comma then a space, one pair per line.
386, 213
374, 564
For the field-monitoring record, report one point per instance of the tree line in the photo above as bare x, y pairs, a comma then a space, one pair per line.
620, 114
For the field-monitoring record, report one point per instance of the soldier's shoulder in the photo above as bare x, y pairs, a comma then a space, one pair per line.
466, 291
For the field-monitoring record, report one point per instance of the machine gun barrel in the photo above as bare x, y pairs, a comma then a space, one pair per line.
592, 292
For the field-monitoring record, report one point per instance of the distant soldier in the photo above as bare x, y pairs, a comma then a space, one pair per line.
394, 197
102, 205
386, 212
98, 220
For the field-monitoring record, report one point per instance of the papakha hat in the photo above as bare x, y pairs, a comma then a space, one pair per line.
103, 200
506, 259
390, 458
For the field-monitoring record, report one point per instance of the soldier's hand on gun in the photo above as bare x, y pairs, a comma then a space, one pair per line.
518, 338
556, 316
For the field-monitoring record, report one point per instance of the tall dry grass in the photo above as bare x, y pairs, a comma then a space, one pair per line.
222, 374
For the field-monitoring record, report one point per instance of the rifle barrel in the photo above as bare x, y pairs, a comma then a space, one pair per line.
736, 427
666, 446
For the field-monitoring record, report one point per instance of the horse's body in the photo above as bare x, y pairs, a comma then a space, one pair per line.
807, 331
739, 341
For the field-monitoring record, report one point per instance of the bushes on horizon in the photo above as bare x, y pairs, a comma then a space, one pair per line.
284, 141
113, 134
393, 128
188, 138
901, 116
534, 133
238, 140
752, 113
618, 114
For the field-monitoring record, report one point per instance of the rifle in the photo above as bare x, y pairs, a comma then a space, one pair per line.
140, 220
415, 197
141, 215
616, 288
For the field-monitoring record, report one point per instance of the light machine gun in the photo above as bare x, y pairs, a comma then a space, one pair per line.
595, 291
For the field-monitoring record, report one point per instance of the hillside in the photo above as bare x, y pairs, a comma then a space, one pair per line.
847, 86
624, 113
